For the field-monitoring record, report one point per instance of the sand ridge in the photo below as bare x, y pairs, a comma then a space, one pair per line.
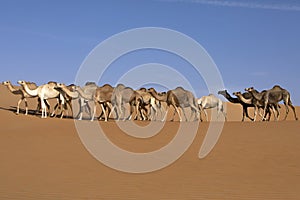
45, 159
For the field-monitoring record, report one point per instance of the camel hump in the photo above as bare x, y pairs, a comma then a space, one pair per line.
90, 83
277, 87
52, 82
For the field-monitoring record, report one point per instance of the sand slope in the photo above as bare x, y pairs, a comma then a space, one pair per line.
45, 159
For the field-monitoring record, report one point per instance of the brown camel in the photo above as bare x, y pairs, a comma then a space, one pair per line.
178, 98
252, 101
103, 96
245, 106
148, 101
277, 94
125, 95
259, 96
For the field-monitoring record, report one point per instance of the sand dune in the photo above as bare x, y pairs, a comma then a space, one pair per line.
45, 159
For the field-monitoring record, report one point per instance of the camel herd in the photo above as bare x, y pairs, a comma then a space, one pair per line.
126, 103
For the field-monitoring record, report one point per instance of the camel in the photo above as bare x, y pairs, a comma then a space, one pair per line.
24, 95
178, 98
68, 98
103, 96
44, 92
148, 100
252, 101
208, 102
259, 98
245, 106
273, 96
125, 95
86, 94
72, 94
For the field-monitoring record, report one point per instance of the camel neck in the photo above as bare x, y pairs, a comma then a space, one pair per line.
244, 100
158, 97
11, 88
83, 94
231, 99
256, 95
33, 92
70, 93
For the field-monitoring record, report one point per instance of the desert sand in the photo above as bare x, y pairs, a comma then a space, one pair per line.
45, 159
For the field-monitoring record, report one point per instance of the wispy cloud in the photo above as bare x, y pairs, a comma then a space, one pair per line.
284, 5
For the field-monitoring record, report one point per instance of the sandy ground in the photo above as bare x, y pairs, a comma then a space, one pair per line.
45, 159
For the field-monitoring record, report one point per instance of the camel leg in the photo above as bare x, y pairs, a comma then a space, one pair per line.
26, 106
174, 113
18, 106
104, 111
162, 111
94, 111
224, 113
245, 112
183, 111
294, 110
201, 111
286, 110
255, 113
275, 115
166, 114
205, 113
44, 113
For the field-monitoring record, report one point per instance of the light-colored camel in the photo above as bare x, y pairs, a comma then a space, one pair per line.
274, 96
72, 94
44, 92
245, 106
257, 105
125, 95
86, 94
68, 98
23, 95
208, 102
178, 98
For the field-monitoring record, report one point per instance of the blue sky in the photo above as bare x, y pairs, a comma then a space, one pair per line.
253, 43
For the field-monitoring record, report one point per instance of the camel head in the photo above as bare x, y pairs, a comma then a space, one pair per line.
6, 83
250, 89
151, 90
22, 82
60, 85
143, 89
222, 92
237, 93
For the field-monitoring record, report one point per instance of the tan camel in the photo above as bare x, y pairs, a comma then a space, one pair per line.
125, 95
103, 96
257, 105
148, 101
208, 102
274, 96
44, 92
24, 95
20, 92
178, 98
